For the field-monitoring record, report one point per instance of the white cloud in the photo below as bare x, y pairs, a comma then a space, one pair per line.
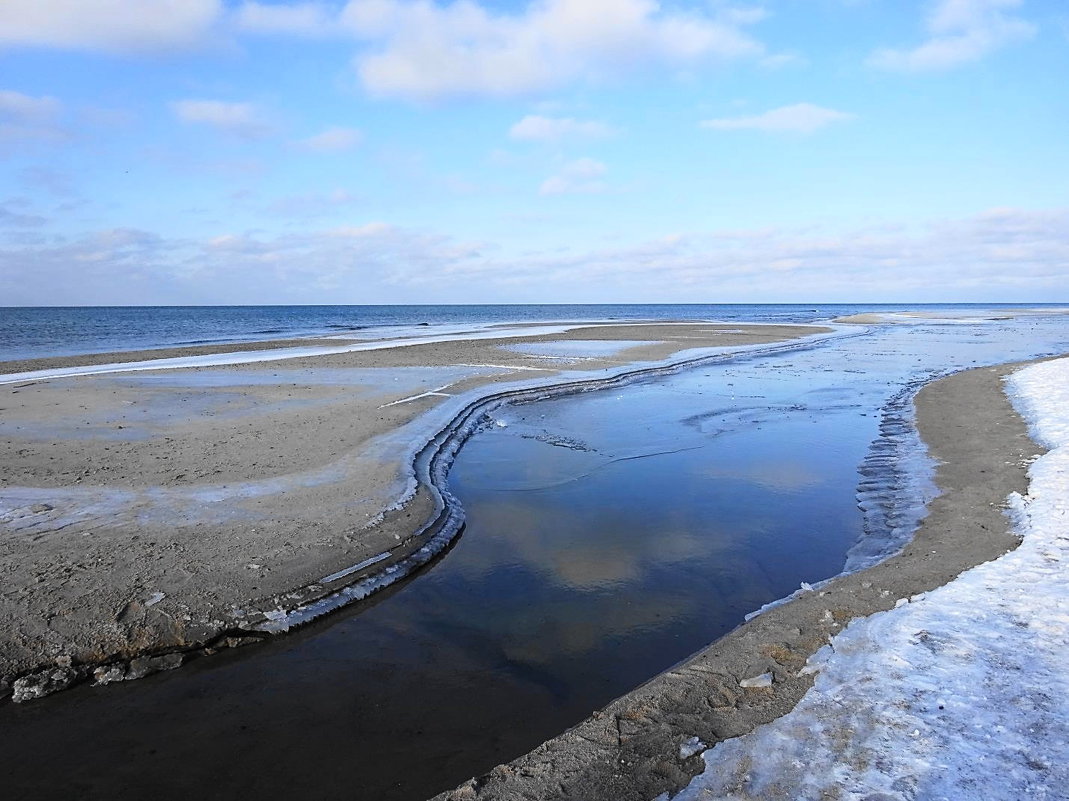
959, 31
108, 25
1000, 254
17, 107
312, 204
362, 260
534, 127
24, 118
299, 19
582, 176
16, 213
798, 118
103, 117
332, 140
775, 61
40, 179
239, 119
418, 49
423, 50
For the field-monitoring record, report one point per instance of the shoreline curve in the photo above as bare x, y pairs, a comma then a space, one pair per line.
645, 744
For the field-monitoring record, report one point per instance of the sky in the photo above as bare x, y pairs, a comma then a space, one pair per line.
557, 151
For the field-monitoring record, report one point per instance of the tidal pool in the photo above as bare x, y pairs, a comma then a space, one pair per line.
609, 535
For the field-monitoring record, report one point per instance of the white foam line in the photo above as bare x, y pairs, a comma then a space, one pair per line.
350, 570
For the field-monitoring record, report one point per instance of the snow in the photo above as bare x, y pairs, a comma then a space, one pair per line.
962, 692
690, 747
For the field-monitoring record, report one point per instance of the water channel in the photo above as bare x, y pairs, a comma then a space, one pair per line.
609, 535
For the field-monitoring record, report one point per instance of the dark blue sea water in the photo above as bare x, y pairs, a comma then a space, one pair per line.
34, 332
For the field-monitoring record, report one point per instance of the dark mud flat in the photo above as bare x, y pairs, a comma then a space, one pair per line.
610, 535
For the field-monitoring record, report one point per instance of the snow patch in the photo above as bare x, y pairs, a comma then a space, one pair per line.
690, 747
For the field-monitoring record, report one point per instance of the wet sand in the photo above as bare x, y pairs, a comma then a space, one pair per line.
635, 748
148, 515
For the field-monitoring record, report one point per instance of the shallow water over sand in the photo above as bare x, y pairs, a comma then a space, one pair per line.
609, 535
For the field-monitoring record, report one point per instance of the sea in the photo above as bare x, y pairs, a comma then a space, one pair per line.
40, 331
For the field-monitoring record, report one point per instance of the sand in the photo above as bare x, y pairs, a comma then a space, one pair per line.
637, 747
148, 516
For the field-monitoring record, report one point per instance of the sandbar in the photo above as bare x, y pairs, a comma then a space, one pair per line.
153, 515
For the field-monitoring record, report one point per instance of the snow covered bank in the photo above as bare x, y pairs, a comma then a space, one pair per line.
962, 693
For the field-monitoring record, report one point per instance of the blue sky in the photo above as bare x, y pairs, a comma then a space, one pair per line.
392, 151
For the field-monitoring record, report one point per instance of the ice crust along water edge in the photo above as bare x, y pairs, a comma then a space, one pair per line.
961, 693
897, 483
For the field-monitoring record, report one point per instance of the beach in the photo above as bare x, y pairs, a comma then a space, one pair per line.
151, 513
155, 516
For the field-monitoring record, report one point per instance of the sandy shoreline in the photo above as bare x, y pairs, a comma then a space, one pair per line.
636, 747
148, 514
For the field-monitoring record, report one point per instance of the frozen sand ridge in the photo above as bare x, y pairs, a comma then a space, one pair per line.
962, 693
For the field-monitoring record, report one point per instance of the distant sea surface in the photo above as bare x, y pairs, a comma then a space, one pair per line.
34, 332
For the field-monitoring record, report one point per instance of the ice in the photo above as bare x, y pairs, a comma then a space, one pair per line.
962, 692
896, 482
437, 392
46, 682
155, 598
757, 682
690, 747
354, 568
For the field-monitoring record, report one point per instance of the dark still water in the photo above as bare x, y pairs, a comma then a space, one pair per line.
609, 536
